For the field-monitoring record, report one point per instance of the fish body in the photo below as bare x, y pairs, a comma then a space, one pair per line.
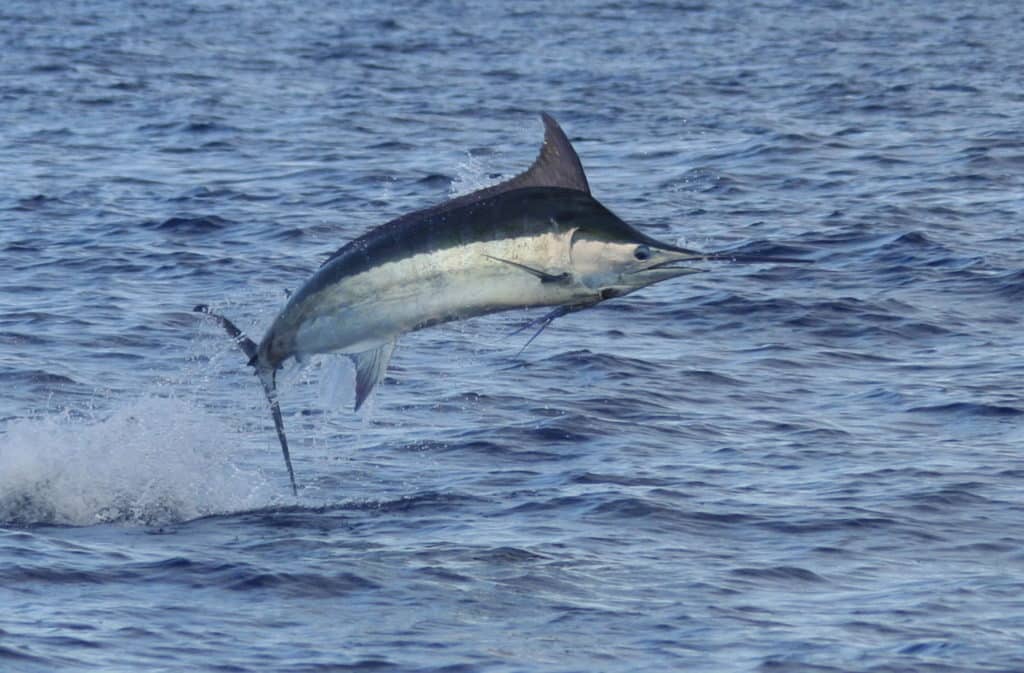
510, 250
538, 239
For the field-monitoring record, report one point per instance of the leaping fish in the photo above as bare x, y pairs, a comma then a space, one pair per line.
538, 239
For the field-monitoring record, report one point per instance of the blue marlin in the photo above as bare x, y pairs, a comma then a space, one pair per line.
538, 239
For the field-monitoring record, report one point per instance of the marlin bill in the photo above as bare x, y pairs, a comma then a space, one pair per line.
538, 239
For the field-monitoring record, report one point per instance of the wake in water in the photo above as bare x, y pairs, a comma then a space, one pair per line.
151, 461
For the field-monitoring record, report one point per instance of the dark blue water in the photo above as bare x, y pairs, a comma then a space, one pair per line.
760, 468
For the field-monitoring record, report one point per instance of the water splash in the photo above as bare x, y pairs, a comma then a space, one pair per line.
470, 175
150, 461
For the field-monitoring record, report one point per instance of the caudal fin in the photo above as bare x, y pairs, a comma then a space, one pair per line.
266, 375
247, 345
267, 378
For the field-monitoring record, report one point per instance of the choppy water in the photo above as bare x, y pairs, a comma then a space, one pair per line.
770, 468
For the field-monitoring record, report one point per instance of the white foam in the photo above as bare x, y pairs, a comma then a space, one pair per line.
153, 460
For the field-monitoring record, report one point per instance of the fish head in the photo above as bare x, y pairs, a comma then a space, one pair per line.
612, 258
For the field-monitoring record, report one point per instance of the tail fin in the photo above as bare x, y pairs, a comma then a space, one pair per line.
267, 378
266, 375
247, 345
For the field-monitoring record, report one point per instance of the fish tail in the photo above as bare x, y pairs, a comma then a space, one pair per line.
267, 375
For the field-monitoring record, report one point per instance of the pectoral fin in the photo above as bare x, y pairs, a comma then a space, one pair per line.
544, 276
371, 366
547, 319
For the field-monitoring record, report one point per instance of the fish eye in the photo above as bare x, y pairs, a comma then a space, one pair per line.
642, 252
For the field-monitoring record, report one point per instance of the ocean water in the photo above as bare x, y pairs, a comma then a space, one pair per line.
758, 468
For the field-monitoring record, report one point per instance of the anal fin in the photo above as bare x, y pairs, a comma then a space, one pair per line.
371, 366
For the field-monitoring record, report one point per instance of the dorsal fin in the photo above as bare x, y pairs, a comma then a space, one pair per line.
557, 165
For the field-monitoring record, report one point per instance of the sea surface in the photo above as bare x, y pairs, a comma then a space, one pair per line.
765, 467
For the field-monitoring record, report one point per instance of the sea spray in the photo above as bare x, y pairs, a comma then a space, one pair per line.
150, 461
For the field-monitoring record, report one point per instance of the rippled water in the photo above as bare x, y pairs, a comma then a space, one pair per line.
772, 468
